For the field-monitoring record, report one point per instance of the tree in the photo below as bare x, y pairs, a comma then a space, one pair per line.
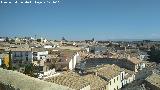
63, 39
3, 65
7, 39
38, 40
29, 70
10, 61
12, 40
154, 55
92, 39
138, 45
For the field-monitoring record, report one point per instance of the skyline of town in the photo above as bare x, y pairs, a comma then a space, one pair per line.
81, 65
59, 39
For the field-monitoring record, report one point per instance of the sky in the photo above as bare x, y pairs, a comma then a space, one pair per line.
82, 19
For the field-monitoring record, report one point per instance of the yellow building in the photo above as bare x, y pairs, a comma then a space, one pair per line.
5, 59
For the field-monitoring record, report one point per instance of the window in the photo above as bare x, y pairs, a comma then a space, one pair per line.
117, 78
40, 57
34, 53
114, 80
26, 58
21, 54
122, 76
47, 60
110, 82
117, 87
26, 53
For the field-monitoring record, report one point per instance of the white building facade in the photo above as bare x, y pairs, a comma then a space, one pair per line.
116, 82
26, 56
76, 58
40, 55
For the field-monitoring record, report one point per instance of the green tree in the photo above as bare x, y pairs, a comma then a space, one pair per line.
11, 41
29, 70
3, 65
10, 61
92, 39
7, 39
154, 55
38, 40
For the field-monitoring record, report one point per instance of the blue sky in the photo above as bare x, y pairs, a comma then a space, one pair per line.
83, 19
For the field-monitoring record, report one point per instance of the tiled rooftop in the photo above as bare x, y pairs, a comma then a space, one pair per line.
66, 54
154, 79
129, 73
38, 49
69, 79
96, 82
134, 60
20, 49
107, 71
